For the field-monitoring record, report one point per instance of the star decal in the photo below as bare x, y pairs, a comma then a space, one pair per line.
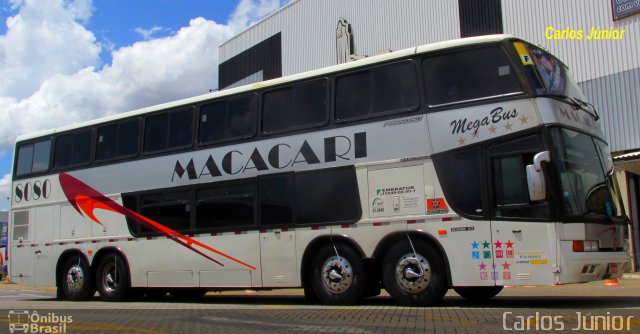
506, 265
508, 126
475, 135
523, 119
509, 244
492, 129
461, 141
498, 244
475, 245
482, 266
485, 244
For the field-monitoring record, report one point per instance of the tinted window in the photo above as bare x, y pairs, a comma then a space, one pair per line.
171, 209
117, 140
225, 207
296, 107
107, 142
327, 196
33, 158
468, 75
388, 88
276, 200
460, 176
226, 120
73, 149
172, 129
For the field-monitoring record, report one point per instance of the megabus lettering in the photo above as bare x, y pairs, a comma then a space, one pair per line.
496, 115
279, 156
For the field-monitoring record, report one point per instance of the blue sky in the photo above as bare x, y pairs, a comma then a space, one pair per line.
67, 61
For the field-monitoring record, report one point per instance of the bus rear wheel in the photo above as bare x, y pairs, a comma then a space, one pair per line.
76, 279
478, 293
337, 276
113, 278
414, 276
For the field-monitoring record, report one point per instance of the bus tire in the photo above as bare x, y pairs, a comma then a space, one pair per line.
478, 293
112, 278
338, 279
414, 279
77, 283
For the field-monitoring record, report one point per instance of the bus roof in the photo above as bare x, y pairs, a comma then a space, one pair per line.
273, 82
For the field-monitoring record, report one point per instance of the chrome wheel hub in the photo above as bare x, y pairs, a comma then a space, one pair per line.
337, 274
75, 278
110, 278
413, 273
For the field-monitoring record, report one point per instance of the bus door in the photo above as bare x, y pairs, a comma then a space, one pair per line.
523, 236
277, 236
42, 246
21, 256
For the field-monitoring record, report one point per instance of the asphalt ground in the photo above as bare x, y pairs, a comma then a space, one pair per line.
575, 308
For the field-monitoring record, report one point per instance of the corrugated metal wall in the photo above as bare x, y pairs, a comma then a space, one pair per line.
617, 99
588, 59
309, 29
607, 70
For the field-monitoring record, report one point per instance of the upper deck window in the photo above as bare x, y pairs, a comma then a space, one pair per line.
384, 89
33, 158
118, 140
226, 120
73, 149
469, 75
297, 107
168, 130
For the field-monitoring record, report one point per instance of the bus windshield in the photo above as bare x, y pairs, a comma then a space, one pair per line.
585, 169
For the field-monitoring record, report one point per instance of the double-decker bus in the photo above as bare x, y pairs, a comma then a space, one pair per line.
468, 164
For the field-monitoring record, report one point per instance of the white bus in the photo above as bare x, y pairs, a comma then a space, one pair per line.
468, 164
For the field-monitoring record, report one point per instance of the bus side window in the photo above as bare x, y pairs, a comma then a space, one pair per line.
298, 107
118, 140
33, 158
227, 120
72, 149
468, 75
390, 88
169, 130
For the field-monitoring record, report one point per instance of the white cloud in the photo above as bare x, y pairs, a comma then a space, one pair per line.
147, 34
50, 74
42, 40
249, 12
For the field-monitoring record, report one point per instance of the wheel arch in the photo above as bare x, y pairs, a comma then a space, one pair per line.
389, 240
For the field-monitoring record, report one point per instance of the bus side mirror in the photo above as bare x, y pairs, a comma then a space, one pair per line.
535, 177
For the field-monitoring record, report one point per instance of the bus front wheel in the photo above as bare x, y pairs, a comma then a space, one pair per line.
414, 276
337, 276
113, 278
76, 279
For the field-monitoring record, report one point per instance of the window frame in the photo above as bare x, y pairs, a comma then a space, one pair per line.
509, 56
371, 69
255, 101
143, 135
32, 142
292, 86
74, 133
118, 124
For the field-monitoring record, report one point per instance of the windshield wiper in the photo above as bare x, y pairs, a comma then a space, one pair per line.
576, 103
